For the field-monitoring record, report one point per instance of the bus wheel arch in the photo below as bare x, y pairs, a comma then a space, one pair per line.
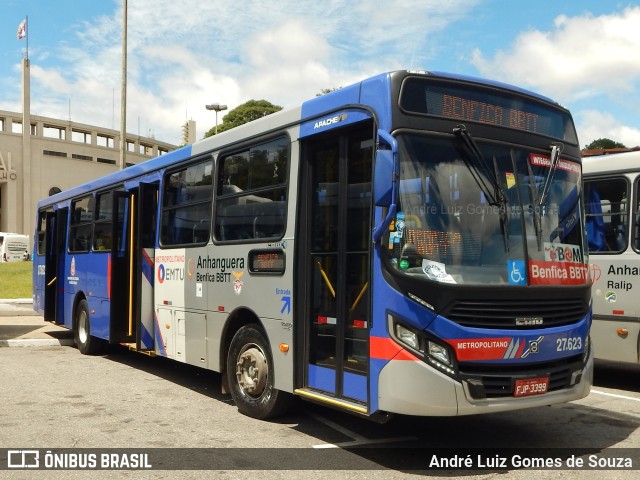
249, 371
86, 343
235, 321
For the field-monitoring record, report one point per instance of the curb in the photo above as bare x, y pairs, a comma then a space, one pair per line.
37, 342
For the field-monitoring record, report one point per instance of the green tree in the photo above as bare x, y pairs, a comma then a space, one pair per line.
604, 143
324, 91
245, 113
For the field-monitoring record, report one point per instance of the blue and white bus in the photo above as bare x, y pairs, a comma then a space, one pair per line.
612, 204
409, 244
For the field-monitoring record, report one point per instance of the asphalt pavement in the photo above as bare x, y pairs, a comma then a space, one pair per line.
21, 326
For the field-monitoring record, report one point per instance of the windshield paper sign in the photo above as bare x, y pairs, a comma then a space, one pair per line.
436, 271
562, 265
557, 273
545, 161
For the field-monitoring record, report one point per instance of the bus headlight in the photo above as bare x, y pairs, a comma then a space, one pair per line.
432, 352
439, 352
408, 337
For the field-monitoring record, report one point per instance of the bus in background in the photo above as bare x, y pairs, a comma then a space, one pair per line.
410, 244
14, 247
613, 232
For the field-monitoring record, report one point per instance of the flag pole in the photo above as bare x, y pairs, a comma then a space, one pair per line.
123, 92
26, 24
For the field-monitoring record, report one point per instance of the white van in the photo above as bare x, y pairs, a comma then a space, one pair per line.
14, 247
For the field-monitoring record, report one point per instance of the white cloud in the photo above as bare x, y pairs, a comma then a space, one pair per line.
183, 55
593, 124
581, 57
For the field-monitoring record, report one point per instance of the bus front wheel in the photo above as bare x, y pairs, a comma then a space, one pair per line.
250, 376
87, 344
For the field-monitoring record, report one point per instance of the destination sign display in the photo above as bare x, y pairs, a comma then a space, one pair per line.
489, 106
266, 261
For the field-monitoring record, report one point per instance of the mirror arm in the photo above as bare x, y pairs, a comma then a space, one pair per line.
380, 229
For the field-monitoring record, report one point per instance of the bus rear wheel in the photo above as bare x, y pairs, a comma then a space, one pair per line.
250, 376
87, 344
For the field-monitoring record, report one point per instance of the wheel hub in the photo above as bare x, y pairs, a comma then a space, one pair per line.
251, 371
82, 327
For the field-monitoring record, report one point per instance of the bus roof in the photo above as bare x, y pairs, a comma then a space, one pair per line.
611, 163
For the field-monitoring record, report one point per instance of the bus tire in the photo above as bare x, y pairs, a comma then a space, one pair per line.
87, 344
250, 376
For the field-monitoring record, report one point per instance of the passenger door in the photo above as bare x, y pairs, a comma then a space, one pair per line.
56, 241
337, 172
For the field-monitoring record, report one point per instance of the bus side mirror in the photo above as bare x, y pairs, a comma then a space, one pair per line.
385, 188
383, 178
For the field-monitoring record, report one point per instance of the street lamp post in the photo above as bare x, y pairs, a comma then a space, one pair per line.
217, 108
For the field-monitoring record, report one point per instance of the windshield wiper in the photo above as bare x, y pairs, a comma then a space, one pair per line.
504, 212
492, 192
556, 150
494, 195
537, 215
538, 202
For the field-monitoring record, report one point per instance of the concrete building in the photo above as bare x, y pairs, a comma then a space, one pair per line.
52, 155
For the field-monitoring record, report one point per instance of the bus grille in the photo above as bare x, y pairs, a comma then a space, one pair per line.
516, 314
485, 383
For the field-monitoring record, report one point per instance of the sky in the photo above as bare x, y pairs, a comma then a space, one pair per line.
184, 54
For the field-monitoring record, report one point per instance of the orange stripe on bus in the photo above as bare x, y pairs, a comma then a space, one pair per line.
387, 349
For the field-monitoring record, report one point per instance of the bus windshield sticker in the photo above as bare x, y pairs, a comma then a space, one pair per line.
557, 273
562, 252
517, 272
394, 239
538, 160
436, 271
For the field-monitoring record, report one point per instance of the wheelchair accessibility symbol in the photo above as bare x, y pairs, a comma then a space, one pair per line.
516, 272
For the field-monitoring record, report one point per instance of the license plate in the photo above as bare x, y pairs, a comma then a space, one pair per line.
531, 386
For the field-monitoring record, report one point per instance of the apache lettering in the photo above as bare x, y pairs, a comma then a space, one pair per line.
626, 270
330, 121
221, 264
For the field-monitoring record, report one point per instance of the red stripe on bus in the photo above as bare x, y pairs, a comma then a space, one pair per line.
148, 259
618, 312
386, 349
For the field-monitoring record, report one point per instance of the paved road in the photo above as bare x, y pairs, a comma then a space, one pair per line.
51, 397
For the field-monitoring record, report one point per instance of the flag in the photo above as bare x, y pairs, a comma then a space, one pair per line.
22, 29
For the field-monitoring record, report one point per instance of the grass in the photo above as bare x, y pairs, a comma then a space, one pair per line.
15, 280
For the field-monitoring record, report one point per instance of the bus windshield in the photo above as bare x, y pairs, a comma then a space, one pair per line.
460, 224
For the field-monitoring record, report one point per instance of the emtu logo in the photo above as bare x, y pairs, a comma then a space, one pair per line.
161, 273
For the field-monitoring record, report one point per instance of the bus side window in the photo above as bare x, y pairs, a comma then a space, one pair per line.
186, 205
636, 218
81, 224
247, 221
606, 214
103, 222
252, 195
